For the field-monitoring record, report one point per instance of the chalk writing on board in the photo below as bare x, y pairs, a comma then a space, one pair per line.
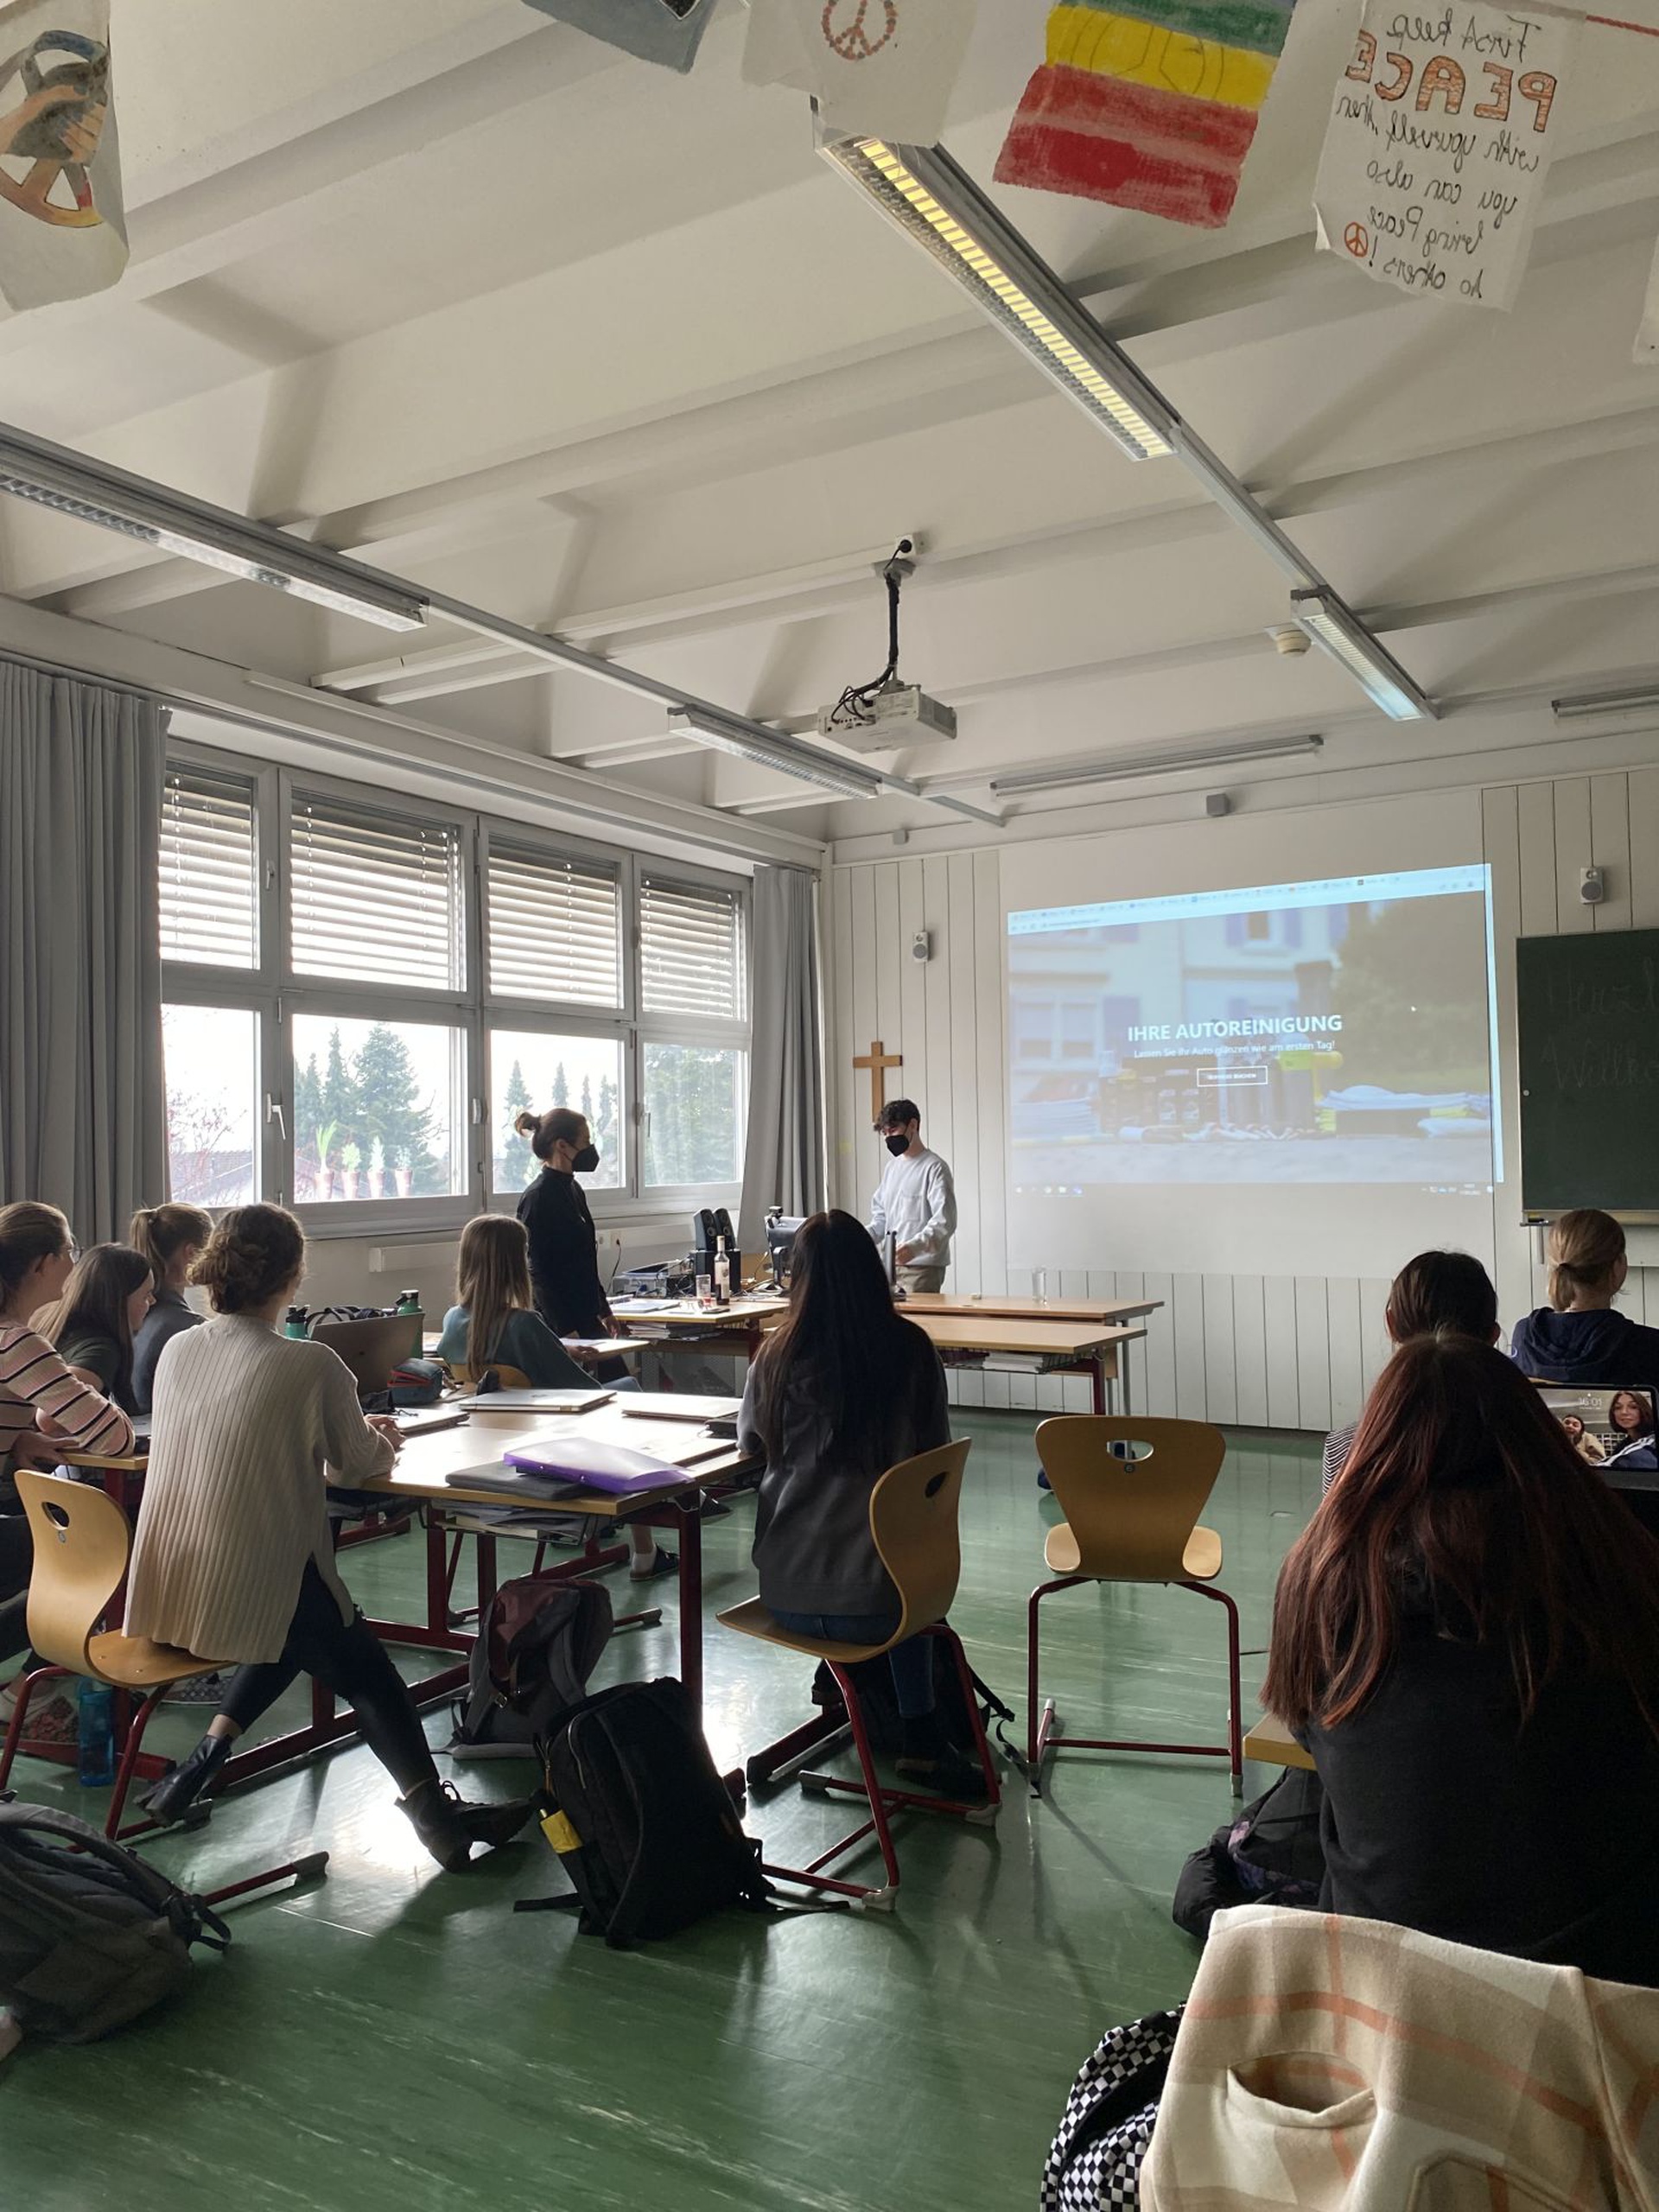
1575, 997
1441, 131
1601, 1063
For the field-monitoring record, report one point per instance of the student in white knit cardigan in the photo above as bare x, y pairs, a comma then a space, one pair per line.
233, 1558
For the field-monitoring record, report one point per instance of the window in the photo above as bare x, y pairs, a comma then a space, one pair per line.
361, 995
210, 902
211, 1056
534, 1069
1079, 1039
375, 899
555, 929
378, 1110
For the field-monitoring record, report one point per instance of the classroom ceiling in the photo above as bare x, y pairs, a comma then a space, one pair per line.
611, 351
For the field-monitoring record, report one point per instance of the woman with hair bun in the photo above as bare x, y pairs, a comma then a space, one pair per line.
232, 1557
171, 1238
1581, 1337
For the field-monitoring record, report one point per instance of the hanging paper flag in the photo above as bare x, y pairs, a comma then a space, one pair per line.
669, 31
63, 227
1441, 135
1148, 104
877, 69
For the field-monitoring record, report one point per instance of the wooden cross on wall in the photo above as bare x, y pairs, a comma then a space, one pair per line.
878, 1060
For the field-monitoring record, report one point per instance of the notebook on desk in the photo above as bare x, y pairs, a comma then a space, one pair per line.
717, 1414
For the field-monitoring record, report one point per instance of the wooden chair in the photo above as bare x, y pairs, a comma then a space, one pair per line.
1129, 1520
83, 1545
914, 1511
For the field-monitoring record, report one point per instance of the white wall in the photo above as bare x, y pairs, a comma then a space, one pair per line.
1279, 1350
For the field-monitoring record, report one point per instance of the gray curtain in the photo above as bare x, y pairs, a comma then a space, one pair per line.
83, 1105
784, 1164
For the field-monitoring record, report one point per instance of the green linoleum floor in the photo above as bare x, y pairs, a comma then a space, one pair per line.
395, 2040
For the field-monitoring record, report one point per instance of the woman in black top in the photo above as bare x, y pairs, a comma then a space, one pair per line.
564, 1243
1466, 1639
845, 1390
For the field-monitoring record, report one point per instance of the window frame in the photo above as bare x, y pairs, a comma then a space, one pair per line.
276, 995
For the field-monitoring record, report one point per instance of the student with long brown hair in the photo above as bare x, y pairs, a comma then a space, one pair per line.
1581, 1337
1466, 1639
94, 1324
171, 1238
494, 1318
844, 1390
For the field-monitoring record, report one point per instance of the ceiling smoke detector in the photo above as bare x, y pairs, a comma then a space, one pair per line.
1290, 640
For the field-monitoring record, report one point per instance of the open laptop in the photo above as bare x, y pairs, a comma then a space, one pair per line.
372, 1348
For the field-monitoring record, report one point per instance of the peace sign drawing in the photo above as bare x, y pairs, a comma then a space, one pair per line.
848, 31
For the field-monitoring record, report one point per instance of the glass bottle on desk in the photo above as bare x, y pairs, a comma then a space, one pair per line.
722, 1275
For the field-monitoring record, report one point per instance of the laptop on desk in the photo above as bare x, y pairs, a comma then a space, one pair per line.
372, 1349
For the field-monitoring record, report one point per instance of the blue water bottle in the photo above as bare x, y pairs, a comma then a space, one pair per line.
96, 1758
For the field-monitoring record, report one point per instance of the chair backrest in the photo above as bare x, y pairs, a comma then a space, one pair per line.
1131, 1517
913, 1519
511, 1378
82, 1545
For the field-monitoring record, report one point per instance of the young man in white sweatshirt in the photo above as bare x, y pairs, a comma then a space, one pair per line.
916, 1201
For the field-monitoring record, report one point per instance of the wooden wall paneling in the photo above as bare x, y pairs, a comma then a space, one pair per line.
935, 974
1644, 798
1537, 803
1279, 1330
1573, 852
1250, 1350
1220, 1356
994, 1063
890, 1009
1121, 1284
1374, 1345
1158, 1394
1344, 1350
1191, 1396
965, 1079
1312, 1352
1609, 849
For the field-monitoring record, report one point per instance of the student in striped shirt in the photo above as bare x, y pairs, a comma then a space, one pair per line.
43, 1407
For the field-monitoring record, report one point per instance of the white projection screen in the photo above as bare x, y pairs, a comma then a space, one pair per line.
1272, 1077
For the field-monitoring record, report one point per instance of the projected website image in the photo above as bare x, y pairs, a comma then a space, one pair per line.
1334, 1033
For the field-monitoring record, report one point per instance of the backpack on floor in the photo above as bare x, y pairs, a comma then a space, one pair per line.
531, 1660
643, 1825
1271, 1854
90, 1937
1094, 2164
883, 1722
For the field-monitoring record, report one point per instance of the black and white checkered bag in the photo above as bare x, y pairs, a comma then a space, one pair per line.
1095, 2163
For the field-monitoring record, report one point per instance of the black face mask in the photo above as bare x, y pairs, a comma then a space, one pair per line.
586, 1161
897, 1145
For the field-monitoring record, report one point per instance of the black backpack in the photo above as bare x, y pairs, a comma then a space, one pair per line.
90, 1937
531, 1660
643, 1825
1271, 1853
882, 1721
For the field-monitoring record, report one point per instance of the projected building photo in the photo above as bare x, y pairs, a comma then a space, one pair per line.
1332, 1033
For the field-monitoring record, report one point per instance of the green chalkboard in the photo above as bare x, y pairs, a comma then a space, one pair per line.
1588, 1011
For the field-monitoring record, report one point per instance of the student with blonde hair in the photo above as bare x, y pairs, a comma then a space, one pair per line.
1581, 1337
494, 1318
171, 1238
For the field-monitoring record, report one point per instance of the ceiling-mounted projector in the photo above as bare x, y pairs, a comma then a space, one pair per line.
873, 717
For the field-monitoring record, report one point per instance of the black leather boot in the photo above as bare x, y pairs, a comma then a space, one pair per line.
180, 1786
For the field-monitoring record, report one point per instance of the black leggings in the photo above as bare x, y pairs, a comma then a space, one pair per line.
348, 1658
16, 1563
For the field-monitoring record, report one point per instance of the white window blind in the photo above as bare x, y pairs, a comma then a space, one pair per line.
375, 899
209, 876
554, 930
691, 951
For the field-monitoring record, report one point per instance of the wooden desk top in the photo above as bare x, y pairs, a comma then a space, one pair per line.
1045, 1340
1005, 1306
1272, 1743
686, 1314
426, 1461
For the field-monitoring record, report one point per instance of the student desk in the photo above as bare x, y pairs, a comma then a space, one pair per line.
1046, 1347
1005, 1306
1272, 1743
418, 1479
734, 1329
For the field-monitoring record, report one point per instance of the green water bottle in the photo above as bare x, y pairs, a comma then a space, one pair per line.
298, 1322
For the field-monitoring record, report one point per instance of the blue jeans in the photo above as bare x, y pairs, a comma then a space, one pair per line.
911, 1661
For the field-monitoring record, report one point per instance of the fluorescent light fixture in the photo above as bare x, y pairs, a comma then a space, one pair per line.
70, 484
939, 207
1606, 702
1332, 623
774, 750
1125, 766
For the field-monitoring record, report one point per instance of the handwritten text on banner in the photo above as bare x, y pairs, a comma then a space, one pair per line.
1442, 134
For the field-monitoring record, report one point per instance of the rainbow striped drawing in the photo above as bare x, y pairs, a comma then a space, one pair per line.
1148, 104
